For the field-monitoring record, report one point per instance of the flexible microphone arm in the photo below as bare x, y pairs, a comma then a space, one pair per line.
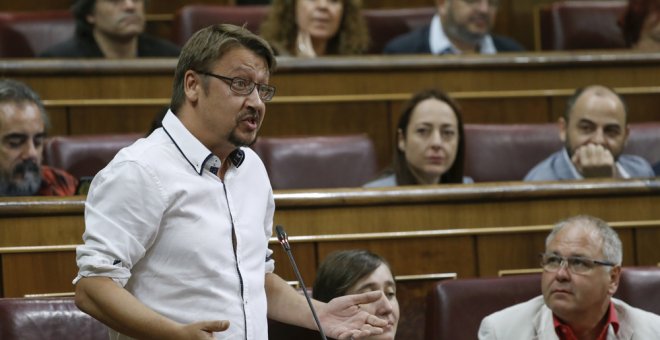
284, 241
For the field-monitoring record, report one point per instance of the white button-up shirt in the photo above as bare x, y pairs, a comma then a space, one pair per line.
159, 221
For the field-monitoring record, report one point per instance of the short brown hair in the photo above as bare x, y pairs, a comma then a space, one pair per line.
207, 46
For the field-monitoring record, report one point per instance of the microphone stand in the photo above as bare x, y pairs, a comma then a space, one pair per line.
284, 241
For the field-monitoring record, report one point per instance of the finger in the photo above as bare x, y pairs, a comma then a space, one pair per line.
376, 322
367, 297
214, 326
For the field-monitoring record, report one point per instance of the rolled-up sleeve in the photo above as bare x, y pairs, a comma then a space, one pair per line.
123, 212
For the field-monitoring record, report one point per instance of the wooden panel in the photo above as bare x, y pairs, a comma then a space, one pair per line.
646, 246
305, 256
417, 255
59, 121
38, 273
108, 120
339, 118
518, 251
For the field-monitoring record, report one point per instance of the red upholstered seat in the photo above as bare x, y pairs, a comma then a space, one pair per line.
455, 307
581, 25
47, 318
639, 287
191, 18
85, 155
25, 34
318, 161
506, 152
503, 152
385, 24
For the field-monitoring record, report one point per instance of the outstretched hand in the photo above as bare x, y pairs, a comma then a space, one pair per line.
343, 318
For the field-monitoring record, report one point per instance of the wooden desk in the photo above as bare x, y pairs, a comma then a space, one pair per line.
346, 95
472, 230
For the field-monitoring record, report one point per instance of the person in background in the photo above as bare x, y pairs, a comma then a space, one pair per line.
641, 25
656, 169
459, 27
581, 271
430, 144
311, 28
594, 130
358, 271
112, 29
177, 225
23, 122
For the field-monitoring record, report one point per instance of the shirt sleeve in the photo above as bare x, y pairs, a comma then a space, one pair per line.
123, 211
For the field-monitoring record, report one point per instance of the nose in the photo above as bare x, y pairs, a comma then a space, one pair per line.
384, 306
30, 150
562, 273
436, 139
254, 101
598, 137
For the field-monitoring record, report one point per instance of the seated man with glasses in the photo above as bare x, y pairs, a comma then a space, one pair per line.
459, 27
581, 269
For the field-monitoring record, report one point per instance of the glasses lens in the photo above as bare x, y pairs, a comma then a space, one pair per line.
578, 265
242, 86
266, 92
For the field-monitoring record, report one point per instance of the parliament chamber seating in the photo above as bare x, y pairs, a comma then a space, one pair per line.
383, 24
47, 318
581, 25
386, 24
26, 34
318, 161
191, 18
466, 302
85, 155
506, 152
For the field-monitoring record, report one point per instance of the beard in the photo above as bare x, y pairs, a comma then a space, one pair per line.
461, 31
234, 137
28, 184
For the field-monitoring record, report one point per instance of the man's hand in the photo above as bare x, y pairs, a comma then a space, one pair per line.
202, 329
343, 318
593, 160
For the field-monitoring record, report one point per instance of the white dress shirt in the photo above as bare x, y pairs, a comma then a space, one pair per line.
159, 222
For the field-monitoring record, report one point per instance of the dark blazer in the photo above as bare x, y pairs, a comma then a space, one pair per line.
86, 47
417, 42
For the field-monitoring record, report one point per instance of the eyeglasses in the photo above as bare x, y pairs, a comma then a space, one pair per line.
575, 264
244, 87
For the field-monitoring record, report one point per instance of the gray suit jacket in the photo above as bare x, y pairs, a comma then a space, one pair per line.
557, 167
532, 320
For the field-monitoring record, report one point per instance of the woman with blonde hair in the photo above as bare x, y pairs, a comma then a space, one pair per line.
313, 28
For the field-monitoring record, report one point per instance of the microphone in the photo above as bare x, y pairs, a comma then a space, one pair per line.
284, 241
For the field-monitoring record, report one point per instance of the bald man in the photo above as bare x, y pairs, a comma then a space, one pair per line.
594, 131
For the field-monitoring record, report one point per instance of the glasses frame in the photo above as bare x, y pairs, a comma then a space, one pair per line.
565, 263
231, 83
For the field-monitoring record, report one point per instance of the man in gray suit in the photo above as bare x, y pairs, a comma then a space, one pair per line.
594, 131
581, 270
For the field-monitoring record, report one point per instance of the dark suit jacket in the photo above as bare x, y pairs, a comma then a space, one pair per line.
86, 47
417, 42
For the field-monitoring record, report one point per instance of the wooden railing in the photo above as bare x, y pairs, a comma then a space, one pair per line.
472, 230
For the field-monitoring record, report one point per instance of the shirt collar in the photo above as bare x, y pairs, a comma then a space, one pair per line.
622, 172
440, 43
197, 155
565, 332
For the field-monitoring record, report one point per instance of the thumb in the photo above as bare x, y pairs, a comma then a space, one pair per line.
214, 326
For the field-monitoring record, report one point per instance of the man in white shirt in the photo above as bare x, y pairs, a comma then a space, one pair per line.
177, 225
460, 27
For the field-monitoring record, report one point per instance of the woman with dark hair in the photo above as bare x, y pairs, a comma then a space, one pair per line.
358, 271
429, 146
641, 25
311, 28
